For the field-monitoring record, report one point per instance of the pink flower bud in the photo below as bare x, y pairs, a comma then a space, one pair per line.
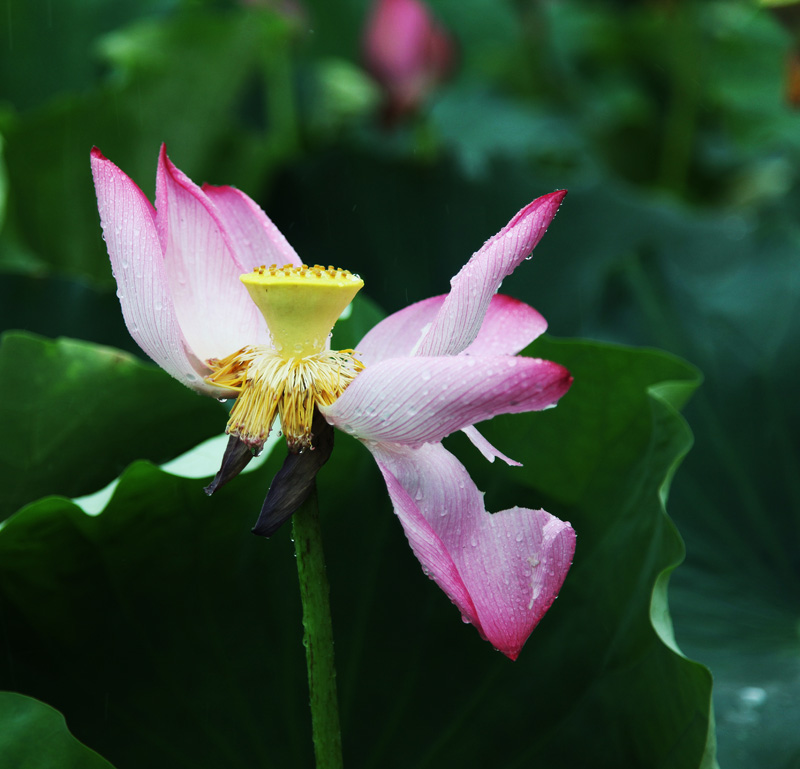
407, 52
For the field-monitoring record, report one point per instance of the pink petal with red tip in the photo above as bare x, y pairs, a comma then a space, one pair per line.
461, 316
421, 400
129, 229
503, 570
256, 239
216, 314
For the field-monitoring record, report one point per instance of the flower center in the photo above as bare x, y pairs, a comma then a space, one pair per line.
301, 306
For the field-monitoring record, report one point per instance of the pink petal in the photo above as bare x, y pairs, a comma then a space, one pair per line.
216, 314
398, 335
421, 400
256, 239
129, 229
502, 571
462, 313
508, 328
486, 448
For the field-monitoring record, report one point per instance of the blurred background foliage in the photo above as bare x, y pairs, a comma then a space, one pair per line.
675, 126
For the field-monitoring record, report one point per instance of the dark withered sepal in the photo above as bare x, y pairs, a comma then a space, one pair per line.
295, 481
234, 460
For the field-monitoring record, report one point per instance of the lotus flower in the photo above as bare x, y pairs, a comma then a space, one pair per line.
198, 299
407, 52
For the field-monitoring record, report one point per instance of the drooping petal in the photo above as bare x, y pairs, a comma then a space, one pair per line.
503, 570
421, 400
129, 229
461, 316
486, 448
295, 481
216, 315
236, 457
399, 335
255, 238
509, 327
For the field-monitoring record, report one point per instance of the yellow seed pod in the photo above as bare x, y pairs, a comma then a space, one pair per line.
301, 304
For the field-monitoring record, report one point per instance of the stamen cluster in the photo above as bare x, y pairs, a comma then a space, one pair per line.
270, 385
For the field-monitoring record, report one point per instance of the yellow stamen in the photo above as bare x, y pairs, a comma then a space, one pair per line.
300, 305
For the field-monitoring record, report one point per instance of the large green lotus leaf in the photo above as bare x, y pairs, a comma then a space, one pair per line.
168, 635
621, 526
186, 80
178, 632
75, 414
34, 736
721, 289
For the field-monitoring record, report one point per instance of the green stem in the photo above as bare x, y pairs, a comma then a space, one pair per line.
317, 635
